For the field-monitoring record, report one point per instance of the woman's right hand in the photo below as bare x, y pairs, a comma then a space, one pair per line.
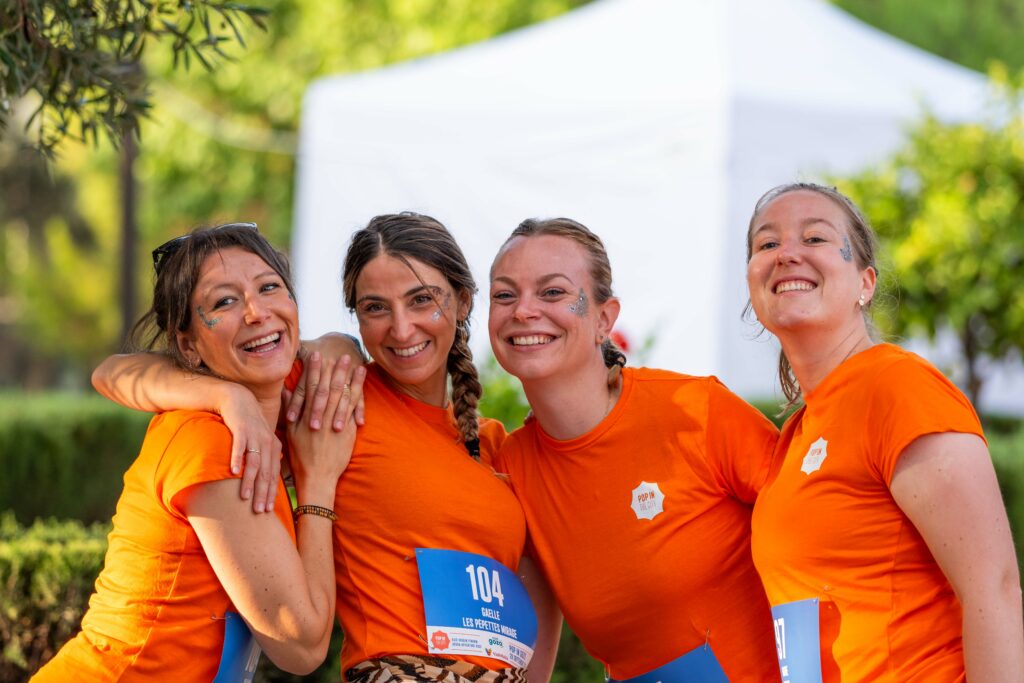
322, 455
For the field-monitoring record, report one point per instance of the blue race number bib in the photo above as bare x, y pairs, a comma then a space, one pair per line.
241, 652
797, 641
475, 605
697, 666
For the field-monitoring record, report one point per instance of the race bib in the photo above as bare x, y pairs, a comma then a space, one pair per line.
798, 641
697, 666
475, 605
241, 652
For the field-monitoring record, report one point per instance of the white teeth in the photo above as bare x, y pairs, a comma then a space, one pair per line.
410, 351
794, 286
531, 340
261, 341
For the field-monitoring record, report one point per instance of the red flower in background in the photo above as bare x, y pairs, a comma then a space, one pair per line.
620, 340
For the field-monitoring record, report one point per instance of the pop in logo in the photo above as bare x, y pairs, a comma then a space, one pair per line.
440, 640
816, 455
648, 501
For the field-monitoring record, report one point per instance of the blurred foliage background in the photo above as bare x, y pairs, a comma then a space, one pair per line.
218, 145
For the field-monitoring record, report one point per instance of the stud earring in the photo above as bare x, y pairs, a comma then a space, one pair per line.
861, 301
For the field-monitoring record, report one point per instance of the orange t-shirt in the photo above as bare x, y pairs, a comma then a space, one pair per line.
412, 484
834, 532
158, 611
642, 525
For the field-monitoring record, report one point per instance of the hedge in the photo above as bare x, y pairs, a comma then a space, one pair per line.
46, 576
64, 455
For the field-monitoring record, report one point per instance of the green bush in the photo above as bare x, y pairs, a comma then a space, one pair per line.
47, 573
64, 455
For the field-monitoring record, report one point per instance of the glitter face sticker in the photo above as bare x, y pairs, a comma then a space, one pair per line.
209, 322
442, 305
580, 306
846, 251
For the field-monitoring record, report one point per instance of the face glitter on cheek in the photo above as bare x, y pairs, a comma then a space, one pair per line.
846, 251
209, 322
436, 315
580, 306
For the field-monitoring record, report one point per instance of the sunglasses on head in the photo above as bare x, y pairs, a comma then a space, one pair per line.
168, 248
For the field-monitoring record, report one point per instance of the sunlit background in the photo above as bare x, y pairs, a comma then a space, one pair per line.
657, 123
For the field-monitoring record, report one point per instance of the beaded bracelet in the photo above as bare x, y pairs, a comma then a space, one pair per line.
317, 510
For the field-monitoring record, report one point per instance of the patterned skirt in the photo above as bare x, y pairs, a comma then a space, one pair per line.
402, 668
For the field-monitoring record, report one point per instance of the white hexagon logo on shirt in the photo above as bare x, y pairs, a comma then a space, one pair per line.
648, 501
816, 455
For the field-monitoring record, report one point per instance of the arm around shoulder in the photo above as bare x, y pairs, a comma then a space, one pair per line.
946, 485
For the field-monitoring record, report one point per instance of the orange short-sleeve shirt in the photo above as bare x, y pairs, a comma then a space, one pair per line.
827, 527
158, 611
642, 525
412, 484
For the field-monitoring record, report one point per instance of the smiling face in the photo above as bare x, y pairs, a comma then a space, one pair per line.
407, 313
244, 324
544, 321
803, 273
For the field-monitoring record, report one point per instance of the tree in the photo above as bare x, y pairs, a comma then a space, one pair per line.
970, 32
949, 208
82, 60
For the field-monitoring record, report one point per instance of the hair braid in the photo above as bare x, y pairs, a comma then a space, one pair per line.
466, 388
614, 360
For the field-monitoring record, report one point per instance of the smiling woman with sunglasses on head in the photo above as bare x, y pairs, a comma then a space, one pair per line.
420, 478
194, 582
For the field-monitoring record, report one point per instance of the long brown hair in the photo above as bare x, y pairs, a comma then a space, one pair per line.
407, 236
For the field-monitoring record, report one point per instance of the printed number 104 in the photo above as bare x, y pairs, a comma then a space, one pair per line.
485, 584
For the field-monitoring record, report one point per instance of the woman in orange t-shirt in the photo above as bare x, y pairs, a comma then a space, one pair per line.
637, 484
880, 536
420, 476
194, 583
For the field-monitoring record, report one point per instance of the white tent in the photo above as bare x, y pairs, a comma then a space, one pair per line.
657, 123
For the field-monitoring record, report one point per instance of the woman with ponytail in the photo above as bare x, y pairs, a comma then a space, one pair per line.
637, 484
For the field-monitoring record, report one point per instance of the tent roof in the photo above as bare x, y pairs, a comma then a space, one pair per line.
657, 123
627, 53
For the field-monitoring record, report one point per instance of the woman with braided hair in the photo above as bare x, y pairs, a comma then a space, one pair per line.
637, 484
420, 477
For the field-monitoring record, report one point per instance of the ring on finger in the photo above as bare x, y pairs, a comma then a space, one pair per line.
252, 450
345, 389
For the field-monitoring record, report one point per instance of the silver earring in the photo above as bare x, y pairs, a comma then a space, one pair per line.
861, 301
